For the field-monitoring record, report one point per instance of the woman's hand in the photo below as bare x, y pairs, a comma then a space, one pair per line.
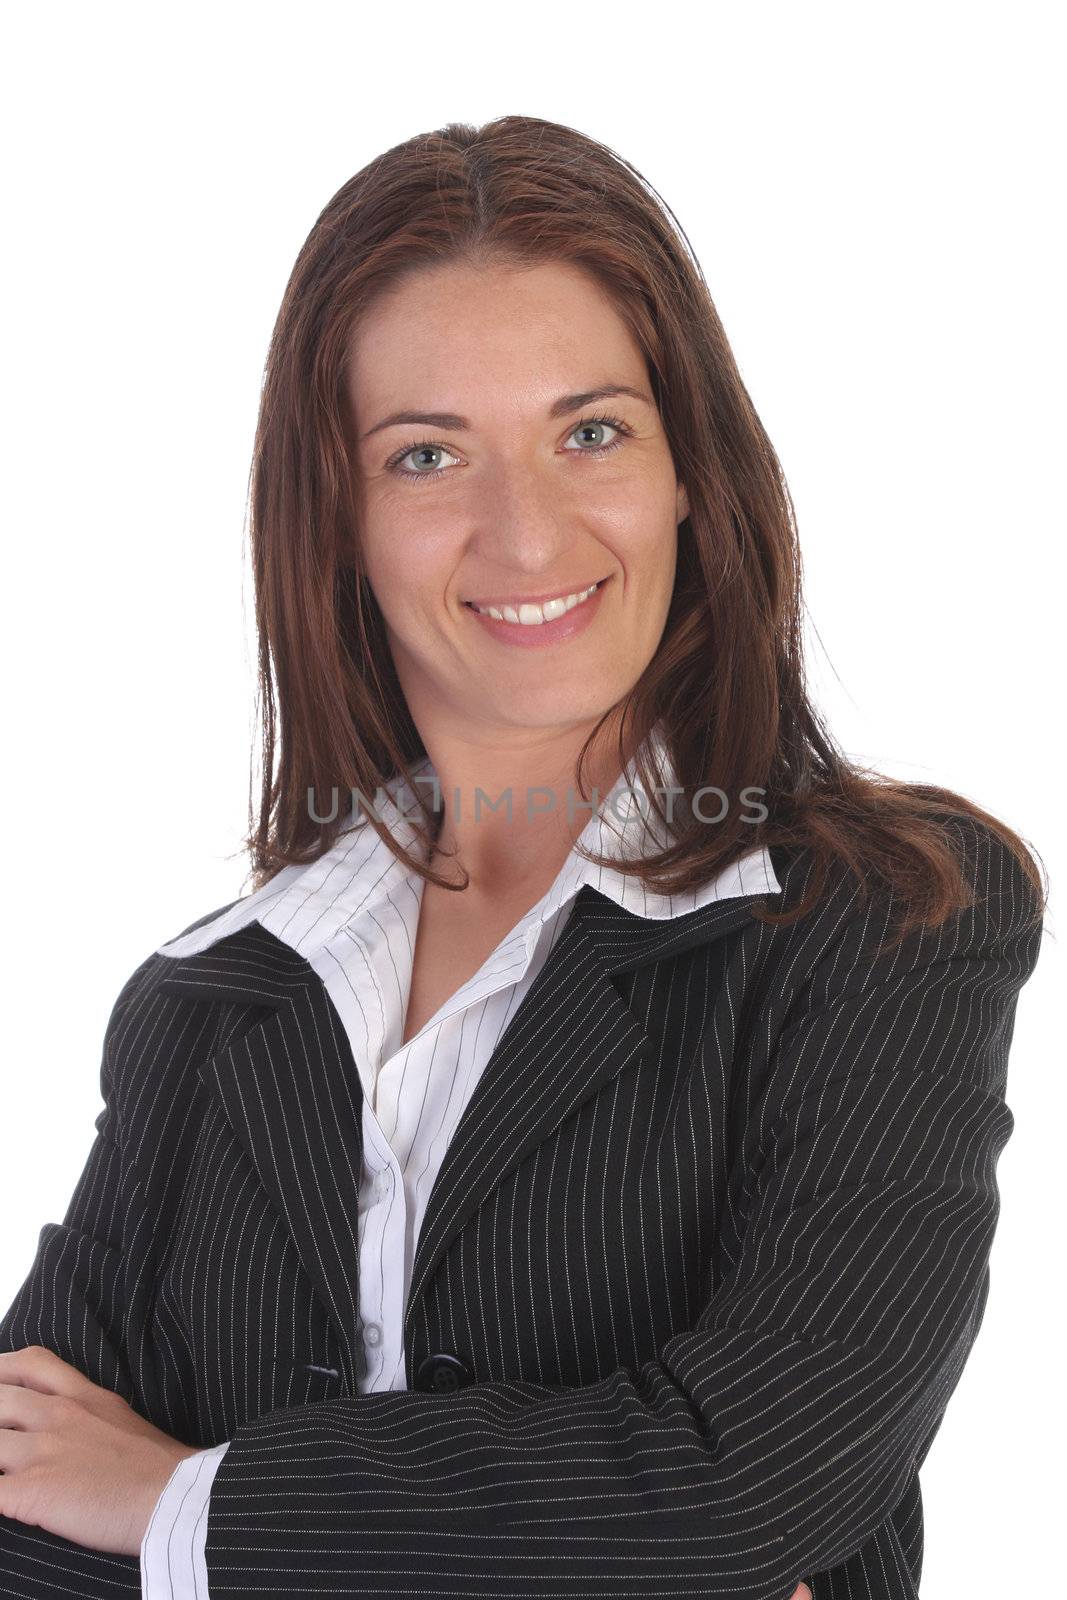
801, 1592
76, 1459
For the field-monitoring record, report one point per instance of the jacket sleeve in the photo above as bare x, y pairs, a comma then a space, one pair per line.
77, 1301
774, 1437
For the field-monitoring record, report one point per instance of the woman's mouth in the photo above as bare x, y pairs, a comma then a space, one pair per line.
547, 623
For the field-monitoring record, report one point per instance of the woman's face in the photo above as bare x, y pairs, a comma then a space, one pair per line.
512, 493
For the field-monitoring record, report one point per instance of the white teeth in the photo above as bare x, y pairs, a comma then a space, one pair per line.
533, 616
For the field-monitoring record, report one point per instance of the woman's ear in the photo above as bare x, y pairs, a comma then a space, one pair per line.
682, 504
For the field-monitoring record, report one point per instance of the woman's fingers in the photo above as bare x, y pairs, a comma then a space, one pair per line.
801, 1592
34, 1367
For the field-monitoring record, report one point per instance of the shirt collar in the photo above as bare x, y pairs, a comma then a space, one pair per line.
307, 905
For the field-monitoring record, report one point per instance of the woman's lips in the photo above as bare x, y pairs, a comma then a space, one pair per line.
536, 635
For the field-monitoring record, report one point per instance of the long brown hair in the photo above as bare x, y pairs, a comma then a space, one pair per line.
726, 684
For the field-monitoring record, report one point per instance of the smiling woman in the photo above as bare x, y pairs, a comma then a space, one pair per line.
587, 1198
527, 497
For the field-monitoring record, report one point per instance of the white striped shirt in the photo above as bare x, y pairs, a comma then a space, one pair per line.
353, 916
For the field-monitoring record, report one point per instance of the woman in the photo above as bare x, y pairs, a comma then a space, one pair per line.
534, 1195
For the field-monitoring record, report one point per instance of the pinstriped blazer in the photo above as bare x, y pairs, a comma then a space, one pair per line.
697, 1279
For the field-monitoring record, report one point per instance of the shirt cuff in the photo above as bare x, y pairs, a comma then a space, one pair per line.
173, 1550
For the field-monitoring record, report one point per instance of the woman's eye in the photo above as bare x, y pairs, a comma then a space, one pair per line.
419, 450
597, 425
427, 449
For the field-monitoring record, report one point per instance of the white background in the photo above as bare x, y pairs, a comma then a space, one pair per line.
872, 195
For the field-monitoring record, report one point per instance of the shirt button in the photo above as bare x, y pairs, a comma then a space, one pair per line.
372, 1333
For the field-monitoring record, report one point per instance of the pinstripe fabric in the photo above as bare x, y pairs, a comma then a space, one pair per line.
353, 915
705, 1256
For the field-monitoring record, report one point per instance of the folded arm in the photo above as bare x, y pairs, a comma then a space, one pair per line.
77, 1301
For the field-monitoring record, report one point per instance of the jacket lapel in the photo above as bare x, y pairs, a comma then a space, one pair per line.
570, 1037
291, 1090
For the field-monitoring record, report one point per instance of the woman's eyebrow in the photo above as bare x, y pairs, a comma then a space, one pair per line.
559, 408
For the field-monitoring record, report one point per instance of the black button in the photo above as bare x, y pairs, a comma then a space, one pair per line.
442, 1374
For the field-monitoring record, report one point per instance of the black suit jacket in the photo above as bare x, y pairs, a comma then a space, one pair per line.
700, 1271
